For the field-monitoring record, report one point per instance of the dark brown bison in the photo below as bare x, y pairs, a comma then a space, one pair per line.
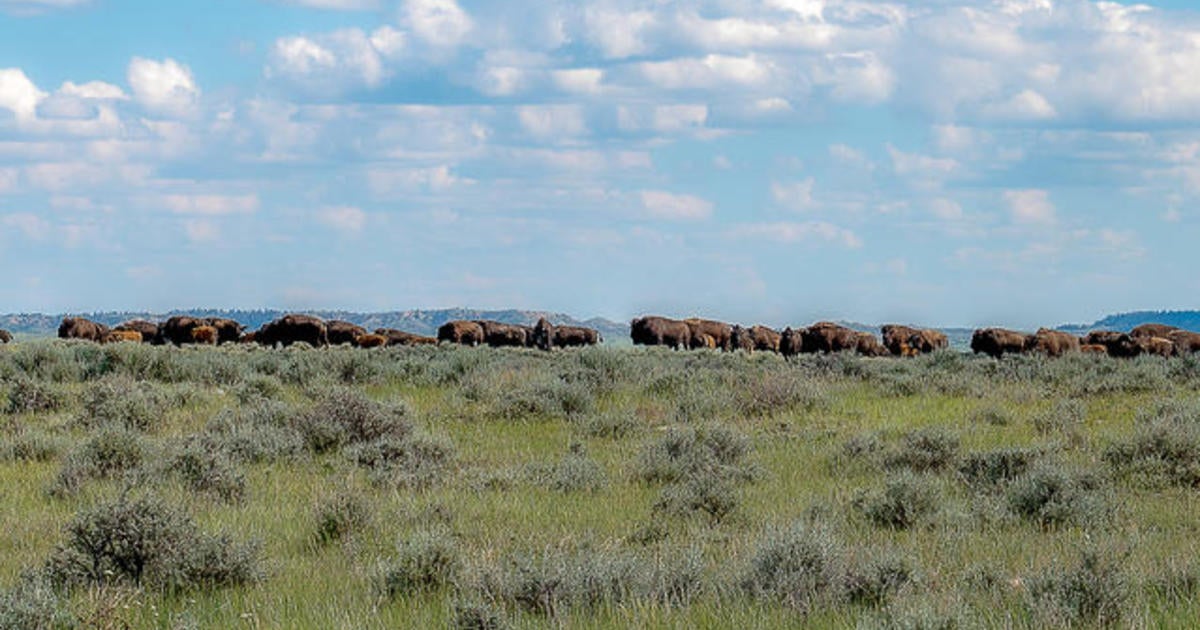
1052, 343
148, 330
400, 338
250, 337
660, 331
828, 337
1186, 341
501, 335
868, 346
206, 335
80, 328
118, 336
178, 329
543, 334
1117, 344
575, 336
1093, 348
721, 332
291, 329
1145, 331
372, 341
928, 340
998, 341
1158, 346
791, 341
5, 336
341, 332
754, 338
228, 330
461, 332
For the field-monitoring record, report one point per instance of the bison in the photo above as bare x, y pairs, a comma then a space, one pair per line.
341, 332
178, 329
228, 330
1093, 348
148, 330
117, 336
660, 331
250, 337
703, 340
461, 332
575, 336
868, 346
791, 341
372, 340
500, 335
5, 336
1186, 341
721, 332
543, 334
1146, 331
1052, 343
1117, 344
998, 341
906, 341
400, 338
1158, 346
754, 338
80, 328
206, 335
828, 337
291, 329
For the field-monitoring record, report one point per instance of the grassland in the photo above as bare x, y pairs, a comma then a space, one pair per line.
150, 487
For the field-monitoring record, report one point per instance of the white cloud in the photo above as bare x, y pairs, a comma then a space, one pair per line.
921, 165
97, 90
201, 231
19, 95
671, 206
163, 86
579, 80
31, 226
209, 205
440, 23
29, 7
436, 179
346, 58
552, 122
8, 179
337, 5
343, 218
946, 209
795, 195
791, 232
618, 34
1028, 105
1030, 206
710, 72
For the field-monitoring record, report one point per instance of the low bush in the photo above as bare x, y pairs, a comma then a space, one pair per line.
611, 424
345, 416
575, 472
424, 562
205, 467
1162, 452
120, 401
340, 516
260, 431
801, 567
110, 453
31, 445
992, 468
929, 449
33, 604
1051, 495
477, 614
26, 395
1093, 592
552, 582
415, 460
688, 452
904, 501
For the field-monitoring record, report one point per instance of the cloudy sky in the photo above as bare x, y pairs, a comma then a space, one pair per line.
954, 162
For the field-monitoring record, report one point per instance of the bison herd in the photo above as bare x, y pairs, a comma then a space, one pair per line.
291, 329
820, 337
692, 333
1150, 339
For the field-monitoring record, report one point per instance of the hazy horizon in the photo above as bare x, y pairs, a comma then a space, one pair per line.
951, 163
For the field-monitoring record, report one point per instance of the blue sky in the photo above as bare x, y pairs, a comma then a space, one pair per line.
951, 162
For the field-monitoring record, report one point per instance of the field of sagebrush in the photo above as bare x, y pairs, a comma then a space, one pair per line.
152, 487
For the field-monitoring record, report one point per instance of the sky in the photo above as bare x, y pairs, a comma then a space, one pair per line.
943, 162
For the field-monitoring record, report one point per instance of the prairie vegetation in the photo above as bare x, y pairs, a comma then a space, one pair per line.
602, 487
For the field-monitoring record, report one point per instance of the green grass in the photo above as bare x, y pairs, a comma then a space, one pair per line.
509, 413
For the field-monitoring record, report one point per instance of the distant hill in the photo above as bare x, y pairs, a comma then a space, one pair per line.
420, 322
1127, 321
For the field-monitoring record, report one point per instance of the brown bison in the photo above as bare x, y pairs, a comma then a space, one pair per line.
1186, 341
372, 341
721, 332
250, 337
1158, 346
291, 329
206, 335
702, 340
1052, 343
148, 330
178, 329
228, 330
117, 336
543, 334
828, 337
461, 332
501, 335
906, 341
1093, 348
341, 332
575, 336
791, 341
754, 338
998, 341
1118, 344
660, 331
80, 328
5, 336
868, 346
1145, 331
400, 338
